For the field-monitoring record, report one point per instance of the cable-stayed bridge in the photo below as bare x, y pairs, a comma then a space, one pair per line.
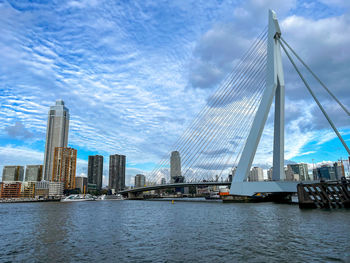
226, 132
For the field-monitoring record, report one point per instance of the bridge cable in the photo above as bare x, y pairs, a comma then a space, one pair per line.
216, 101
315, 76
239, 119
199, 120
316, 100
203, 145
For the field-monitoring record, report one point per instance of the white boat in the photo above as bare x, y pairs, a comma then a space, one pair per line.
101, 198
78, 198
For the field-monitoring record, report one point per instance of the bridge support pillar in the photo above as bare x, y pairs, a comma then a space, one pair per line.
135, 195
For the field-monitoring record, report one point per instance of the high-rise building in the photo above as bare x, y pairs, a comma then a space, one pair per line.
175, 168
81, 183
64, 166
339, 170
95, 170
33, 173
140, 180
269, 174
56, 135
12, 173
297, 172
117, 172
163, 181
256, 174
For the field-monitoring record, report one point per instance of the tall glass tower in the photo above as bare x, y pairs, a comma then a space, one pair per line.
56, 135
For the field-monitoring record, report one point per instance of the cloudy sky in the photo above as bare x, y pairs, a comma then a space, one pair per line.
135, 74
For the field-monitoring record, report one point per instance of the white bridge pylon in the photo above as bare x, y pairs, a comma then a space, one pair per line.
274, 89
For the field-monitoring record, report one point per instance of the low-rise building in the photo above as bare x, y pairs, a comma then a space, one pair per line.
42, 189
28, 190
56, 189
10, 190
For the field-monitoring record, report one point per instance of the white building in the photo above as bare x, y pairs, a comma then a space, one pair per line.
256, 174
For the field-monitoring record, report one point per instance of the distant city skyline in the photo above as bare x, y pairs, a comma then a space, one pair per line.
133, 81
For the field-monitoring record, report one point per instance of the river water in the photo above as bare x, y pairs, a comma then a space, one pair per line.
158, 231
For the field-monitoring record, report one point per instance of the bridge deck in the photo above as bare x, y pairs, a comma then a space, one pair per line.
177, 185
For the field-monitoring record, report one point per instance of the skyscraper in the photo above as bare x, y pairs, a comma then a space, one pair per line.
117, 172
140, 180
95, 170
175, 168
56, 134
64, 166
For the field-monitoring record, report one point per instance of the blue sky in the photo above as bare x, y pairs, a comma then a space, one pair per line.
134, 74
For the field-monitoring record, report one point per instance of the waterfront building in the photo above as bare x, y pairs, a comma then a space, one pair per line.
140, 180
117, 172
11, 173
33, 173
297, 172
10, 190
91, 187
64, 166
175, 168
56, 189
28, 190
42, 189
56, 135
163, 181
95, 170
81, 183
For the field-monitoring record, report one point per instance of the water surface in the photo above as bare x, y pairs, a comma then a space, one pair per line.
158, 231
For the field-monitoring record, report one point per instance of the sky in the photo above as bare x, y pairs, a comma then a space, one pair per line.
134, 74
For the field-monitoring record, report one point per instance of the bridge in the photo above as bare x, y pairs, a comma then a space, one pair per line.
224, 137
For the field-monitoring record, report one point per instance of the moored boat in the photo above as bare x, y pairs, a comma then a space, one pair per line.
78, 198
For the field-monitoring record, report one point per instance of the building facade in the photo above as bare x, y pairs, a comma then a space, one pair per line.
56, 189
117, 172
140, 180
163, 181
297, 172
175, 168
256, 174
33, 173
95, 170
10, 189
81, 183
56, 135
64, 166
12, 173
328, 172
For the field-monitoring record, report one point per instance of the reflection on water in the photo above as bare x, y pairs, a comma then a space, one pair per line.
156, 231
